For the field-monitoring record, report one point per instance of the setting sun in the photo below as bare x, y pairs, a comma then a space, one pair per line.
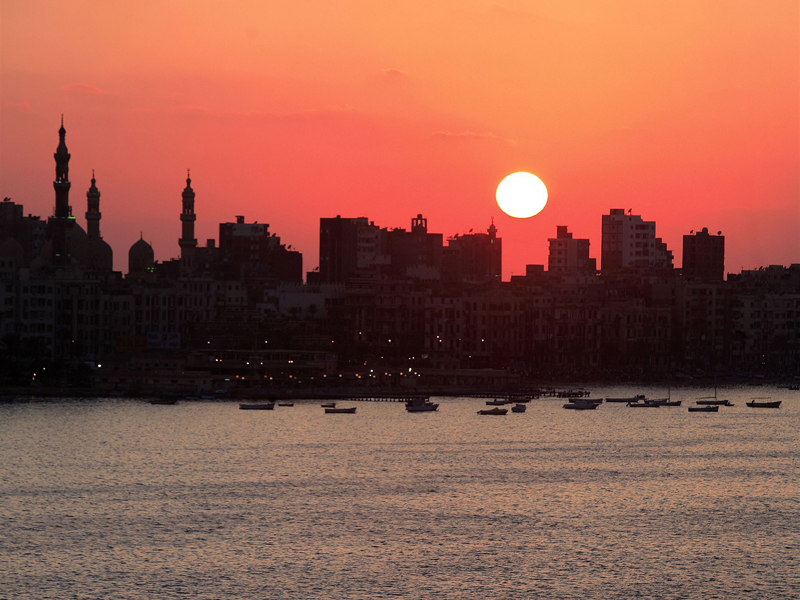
521, 195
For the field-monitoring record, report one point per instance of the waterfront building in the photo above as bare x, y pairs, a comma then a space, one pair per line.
630, 243
704, 256
474, 258
568, 254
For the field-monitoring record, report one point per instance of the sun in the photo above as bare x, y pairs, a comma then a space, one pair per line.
521, 195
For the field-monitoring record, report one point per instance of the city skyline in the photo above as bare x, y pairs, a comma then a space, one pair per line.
64, 205
699, 132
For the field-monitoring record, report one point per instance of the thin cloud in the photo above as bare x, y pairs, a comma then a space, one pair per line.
469, 135
83, 88
22, 107
394, 74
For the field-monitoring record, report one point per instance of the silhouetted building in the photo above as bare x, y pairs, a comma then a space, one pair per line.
249, 250
100, 256
60, 224
415, 251
630, 243
29, 232
569, 255
704, 256
474, 257
187, 241
347, 247
141, 258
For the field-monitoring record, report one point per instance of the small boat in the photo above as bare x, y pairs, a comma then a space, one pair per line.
257, 406
421, 404
635, 398
497, 402
518, 408
341, 411
763, 403
164, 401
329, 405
581, 405
285, 403
714, 402
493, 411
794, 388
587, 400
706, 408
645, 404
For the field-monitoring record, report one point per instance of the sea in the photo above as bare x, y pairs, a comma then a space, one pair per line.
119, 499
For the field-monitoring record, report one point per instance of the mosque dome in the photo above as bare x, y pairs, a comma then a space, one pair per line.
140, 257
79, 244
12, 251
100, 256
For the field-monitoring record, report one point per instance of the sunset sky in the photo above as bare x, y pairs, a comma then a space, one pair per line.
687, 112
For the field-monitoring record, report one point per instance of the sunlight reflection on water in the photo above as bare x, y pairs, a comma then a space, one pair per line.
121, 499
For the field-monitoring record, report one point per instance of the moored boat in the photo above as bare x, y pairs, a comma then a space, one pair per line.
763, 403
493, 411
340, 411
329, 405
421, 404
635, 398
257, 406
581, 405
518, 408
497, 402
706, 408
164, 401
285, 403
714, 402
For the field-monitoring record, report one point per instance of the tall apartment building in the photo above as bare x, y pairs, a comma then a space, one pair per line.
569, 255
630, 243
475, 257
347, 247
704, 256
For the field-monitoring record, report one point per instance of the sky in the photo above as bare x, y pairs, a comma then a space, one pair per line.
685, 111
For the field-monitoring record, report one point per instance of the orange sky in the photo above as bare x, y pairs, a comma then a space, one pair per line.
688, 112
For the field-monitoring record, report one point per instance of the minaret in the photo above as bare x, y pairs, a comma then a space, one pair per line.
93, 211
188, 242
61, 222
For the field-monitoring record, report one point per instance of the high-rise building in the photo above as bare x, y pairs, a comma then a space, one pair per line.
569, 255
413, 249
704, 256
250, 250
630, 243
475, 257
347, 247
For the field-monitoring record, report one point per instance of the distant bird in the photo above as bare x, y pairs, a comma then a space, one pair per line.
470, 231
691, 231
719, 233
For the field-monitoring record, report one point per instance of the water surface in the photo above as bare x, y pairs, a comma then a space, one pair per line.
121, 499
